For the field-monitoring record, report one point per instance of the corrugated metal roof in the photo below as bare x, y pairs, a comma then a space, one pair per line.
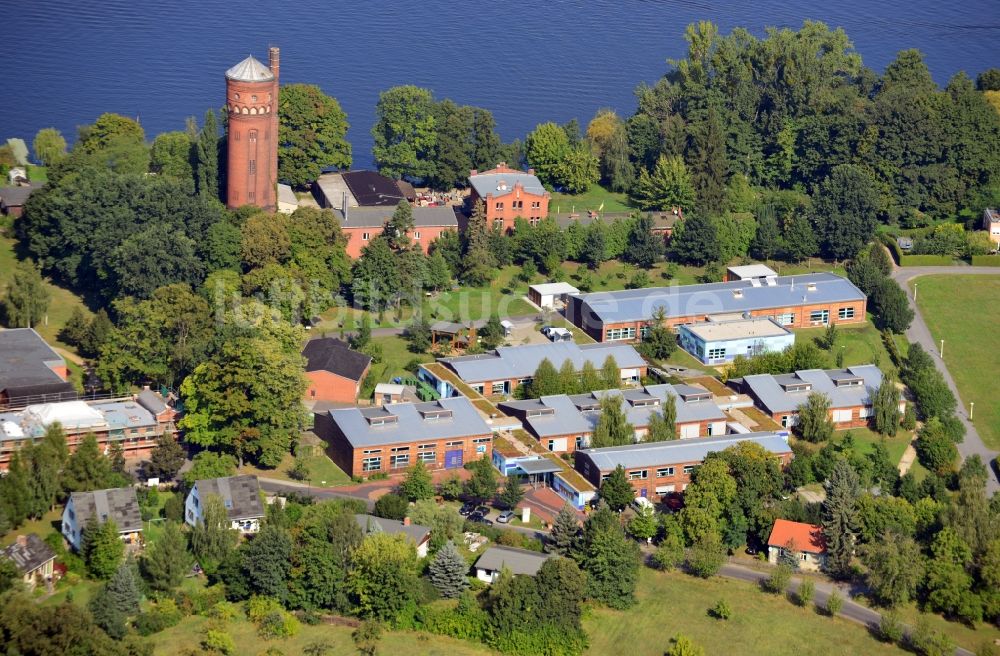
250, 70
770, 393
510, 362
719, 297
411, 425
695, 449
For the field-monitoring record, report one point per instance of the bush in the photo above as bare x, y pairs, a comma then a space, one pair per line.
834, 604
890, 628
777, 582
391, 506
805, 593
162, 616
173, 508
219, 642
927, 642
259, 607
278, 624
986, 260
225, 611
721, 610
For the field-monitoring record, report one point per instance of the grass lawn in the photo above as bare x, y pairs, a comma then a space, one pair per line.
963, 311
672, 603
188, 634
866, 439
592, 199
395, 356
62, 300
321, 468
50, 522
862, 344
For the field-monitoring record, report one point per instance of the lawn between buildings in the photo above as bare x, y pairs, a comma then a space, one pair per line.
964, 311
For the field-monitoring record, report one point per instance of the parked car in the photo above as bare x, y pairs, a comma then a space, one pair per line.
641, 503
559, 335
505, 516
482, 510
467, 507
546, 330
479, 518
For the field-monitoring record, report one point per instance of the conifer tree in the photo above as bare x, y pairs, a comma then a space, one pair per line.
610, 560
840, 517
102, 549
207, 150
124, 591
448, 571
166, 459
167, 560
565, 530
711, 168
88, 468
511, 494
616, 491
478, 263
766, 241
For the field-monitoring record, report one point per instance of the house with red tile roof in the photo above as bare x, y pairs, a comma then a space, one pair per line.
806, 541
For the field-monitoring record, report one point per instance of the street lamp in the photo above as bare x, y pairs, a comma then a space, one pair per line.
972, 406
914, 292
942, 349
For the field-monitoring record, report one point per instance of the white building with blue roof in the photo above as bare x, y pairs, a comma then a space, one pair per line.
801, 301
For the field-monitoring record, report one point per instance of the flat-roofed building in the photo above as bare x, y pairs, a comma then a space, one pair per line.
30, 370
134, 422
658, 468
849, 390
718, 342
758, 272
443, 434
506, 368
548, 294
802, 301
565, 423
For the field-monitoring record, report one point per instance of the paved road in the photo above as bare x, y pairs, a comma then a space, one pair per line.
918, 332
276, 486
851, 610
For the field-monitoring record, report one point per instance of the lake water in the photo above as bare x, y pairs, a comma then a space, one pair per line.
66, 61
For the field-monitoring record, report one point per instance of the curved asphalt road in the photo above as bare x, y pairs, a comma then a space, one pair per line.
851, 610
918, 332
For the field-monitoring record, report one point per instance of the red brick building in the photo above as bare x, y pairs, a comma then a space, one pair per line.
507, 194
850, 392
803, 301
363, 224
252, 133
334, 370
658, 468
443, 434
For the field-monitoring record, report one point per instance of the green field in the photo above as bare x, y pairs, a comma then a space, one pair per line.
964, 311
862, 344
592, 199
61, 304
761, 623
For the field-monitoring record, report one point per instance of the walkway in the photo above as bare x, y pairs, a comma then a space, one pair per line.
919, 333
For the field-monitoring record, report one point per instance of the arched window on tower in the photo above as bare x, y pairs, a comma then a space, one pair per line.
253, 136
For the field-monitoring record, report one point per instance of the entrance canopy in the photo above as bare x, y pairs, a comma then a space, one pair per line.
538, 466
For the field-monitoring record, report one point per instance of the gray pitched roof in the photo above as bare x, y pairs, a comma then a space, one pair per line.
518, 561
375, 217
151, 401
695, 449
334, 355
510, 362
30, 555
578, 413
240, 495
786, 392
409, 422
16, 196
488, 183
26, 359
117, 504
415, 532
250, 70
720, 297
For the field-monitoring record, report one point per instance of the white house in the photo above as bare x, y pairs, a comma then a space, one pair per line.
991, 224
119, 505
519, 561
547, 295
240, 495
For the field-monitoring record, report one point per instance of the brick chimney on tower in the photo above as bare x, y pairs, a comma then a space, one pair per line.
274, 63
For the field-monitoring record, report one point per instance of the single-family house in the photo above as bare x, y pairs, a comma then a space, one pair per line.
239, 494
991, 224
420, 536
849, 390
118, 505
805, 541
443, 434
33, 558
334, 370
520, 562
13, 199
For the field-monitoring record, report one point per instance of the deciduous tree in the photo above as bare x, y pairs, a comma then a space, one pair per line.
616, 491
27, 298
311, 134
667, 186
814, 423
49, 146
613, 428
383, 579
405, 132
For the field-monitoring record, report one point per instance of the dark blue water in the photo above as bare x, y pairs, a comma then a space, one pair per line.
66, 61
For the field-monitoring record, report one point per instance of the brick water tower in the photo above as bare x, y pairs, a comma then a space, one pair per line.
252, 135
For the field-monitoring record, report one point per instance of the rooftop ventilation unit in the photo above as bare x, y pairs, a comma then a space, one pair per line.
811, 287
737, 293
770, 281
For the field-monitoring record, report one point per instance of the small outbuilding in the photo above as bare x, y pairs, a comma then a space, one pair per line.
334, 370
287, 202
518, 561
804, 541
753, 272
548, 295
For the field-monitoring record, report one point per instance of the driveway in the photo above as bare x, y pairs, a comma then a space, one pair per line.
919, 333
